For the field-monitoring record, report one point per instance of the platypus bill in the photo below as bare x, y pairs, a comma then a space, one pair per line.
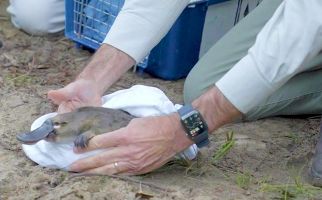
78, 126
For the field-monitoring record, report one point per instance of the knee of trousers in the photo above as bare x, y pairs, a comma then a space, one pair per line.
197, 83
191, 89
38, 17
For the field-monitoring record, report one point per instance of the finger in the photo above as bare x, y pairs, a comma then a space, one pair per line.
58, 96
106, 140
64, 107
109, 169
107, 157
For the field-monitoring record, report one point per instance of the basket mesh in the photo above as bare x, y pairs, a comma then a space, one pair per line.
94, 18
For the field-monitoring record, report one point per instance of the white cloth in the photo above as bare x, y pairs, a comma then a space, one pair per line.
139, 101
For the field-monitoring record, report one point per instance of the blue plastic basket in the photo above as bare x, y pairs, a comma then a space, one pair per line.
88, 22
83, 17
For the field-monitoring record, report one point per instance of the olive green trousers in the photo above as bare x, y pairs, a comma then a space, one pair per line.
301, 95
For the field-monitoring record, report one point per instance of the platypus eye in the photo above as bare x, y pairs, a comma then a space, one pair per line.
60, 123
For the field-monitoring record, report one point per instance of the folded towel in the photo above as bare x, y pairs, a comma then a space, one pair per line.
139, 101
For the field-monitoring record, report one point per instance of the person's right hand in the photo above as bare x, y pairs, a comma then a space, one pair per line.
77, 94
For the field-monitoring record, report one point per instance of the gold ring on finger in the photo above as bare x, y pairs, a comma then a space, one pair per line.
116, 166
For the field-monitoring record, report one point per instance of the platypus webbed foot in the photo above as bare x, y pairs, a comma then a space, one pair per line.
82, 140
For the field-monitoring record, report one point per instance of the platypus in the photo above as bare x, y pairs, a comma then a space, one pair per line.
78, 126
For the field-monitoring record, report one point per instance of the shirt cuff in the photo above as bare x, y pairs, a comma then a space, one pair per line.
244, 86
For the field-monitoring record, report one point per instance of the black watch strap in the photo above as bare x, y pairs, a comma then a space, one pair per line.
185, 109
201, 140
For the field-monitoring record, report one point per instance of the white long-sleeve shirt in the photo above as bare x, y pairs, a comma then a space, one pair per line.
290, 39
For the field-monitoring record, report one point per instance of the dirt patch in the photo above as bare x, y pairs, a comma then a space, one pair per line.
265, 153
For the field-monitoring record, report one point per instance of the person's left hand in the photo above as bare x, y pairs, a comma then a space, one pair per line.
144, 145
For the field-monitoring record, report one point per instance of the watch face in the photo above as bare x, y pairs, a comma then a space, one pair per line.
194, 124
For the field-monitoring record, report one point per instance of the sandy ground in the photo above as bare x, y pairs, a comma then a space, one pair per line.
267, 154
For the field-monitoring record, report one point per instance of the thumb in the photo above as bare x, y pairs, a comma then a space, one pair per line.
59, 96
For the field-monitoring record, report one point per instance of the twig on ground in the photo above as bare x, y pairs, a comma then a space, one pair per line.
127, 178
67, 194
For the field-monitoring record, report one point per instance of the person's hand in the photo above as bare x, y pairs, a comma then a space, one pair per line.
77, 94
144, 145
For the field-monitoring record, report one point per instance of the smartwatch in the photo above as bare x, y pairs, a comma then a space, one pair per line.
195, 126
